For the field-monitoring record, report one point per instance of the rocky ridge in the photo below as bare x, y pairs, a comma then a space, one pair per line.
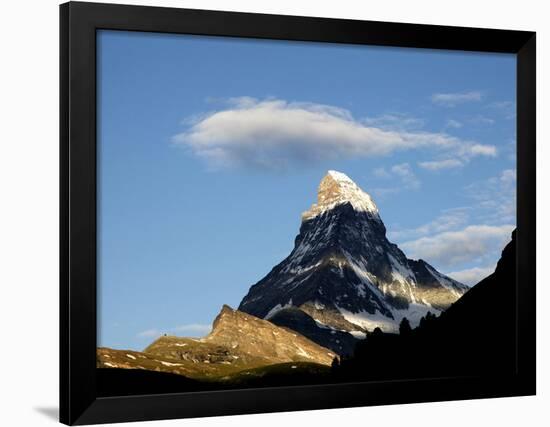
238, 341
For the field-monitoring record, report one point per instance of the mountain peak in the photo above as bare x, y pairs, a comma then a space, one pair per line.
337, 188
339, 176
346, 276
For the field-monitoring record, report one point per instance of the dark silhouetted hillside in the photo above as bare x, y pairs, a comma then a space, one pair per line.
476, 335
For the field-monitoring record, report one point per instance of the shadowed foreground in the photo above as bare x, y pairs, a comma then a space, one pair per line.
125, 382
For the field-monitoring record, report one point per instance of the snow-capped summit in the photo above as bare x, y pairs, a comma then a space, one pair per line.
344, 275
337, 188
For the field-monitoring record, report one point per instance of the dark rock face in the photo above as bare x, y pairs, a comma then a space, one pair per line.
294, 318
346, 275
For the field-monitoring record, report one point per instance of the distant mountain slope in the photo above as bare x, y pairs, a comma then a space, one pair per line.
238, 341
345, 274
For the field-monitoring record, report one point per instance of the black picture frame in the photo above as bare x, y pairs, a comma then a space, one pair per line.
78, 25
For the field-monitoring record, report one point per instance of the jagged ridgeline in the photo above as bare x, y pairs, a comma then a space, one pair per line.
344, 277
238, 342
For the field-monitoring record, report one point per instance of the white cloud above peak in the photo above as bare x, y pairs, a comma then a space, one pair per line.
274, 134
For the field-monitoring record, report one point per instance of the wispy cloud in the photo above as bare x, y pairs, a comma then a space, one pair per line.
450, 219
461, 157
469, 235
471, 276
436, 165
456, 98
402, 172
274, 134
395, 121
452, 248
381, 173
506, 109
191, 329
496, 196
452, 123
407, 176
479, 150
501, 105
149, 333
194, 329
481, 120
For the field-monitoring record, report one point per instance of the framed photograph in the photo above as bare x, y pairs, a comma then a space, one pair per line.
268, 213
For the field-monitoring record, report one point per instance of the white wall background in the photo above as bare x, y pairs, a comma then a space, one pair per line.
29, 209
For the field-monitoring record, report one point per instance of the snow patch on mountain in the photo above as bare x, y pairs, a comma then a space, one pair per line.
358, 334
369, 321
277, 308
360, 269
400, 273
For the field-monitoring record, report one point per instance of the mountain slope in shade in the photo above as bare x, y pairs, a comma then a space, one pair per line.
475, 336
346, 275
238, 341
341, 342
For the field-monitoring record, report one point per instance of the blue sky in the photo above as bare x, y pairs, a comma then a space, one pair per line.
210, 148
